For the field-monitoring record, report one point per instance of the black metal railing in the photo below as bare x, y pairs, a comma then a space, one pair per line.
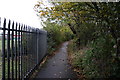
23, 48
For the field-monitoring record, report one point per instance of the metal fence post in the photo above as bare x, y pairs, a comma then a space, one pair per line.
16, 52
37, 46
8, 51
19, 52
3, 50
12, 47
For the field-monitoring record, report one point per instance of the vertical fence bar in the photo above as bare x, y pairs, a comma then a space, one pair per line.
36, 32
8, 51
28, 39
16, 52
32, 47
27, 55
19, 52
3, 50
23, 41
37, 45
12, 45
33, 52
31, 60
26, 49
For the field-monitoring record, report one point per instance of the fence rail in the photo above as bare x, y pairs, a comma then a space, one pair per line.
23, 48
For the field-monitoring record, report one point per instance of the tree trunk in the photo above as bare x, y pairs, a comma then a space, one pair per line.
72, 28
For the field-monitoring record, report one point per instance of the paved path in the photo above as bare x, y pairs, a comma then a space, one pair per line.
57, 66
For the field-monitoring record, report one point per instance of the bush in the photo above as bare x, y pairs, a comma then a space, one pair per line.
56, 35
98, 60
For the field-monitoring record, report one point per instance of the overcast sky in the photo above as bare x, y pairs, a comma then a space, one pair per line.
20, 11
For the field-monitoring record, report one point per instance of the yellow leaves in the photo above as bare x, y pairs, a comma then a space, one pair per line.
47, 8
52, 8
40, 2
67, 5
59, 18
43, 13
81, 12
56, 13
46, 13
37, 5
62, 14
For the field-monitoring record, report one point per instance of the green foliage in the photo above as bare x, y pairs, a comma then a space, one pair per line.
87, 32
56, 35
95, 25
96, 61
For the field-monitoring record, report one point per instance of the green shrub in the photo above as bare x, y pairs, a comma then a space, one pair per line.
98, 61
56, 35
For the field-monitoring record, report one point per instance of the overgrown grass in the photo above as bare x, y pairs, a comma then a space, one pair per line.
96, 61
75, 57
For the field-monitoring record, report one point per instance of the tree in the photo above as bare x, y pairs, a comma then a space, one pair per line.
105, 16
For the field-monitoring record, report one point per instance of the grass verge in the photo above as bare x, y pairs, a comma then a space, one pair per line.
75, 58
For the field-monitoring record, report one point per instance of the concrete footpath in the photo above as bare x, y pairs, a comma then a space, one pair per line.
57, 66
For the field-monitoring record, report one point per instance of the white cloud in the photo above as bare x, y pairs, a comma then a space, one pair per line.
20, 11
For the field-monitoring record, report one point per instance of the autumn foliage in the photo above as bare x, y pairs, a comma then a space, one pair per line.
96, 26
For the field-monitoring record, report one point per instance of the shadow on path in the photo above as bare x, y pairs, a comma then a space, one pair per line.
57, 66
